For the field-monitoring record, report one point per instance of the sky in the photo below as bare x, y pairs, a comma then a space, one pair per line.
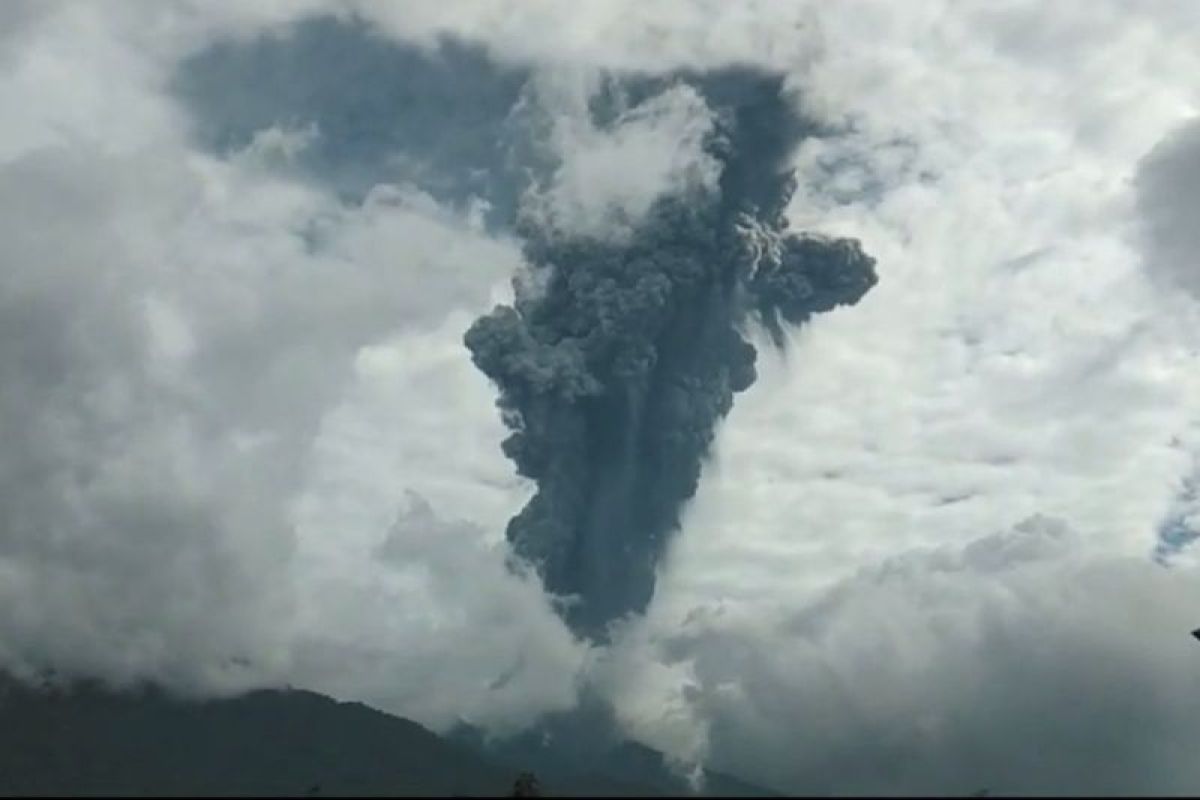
944, 543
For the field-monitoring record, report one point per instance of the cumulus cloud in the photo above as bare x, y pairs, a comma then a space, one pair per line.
607, 177
429, 620
114, 494
1016, 662
223, 363
1013, 361
178, 327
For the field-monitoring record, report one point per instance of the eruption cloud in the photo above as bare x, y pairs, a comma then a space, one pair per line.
615, 370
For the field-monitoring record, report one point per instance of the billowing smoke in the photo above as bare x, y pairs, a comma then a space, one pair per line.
615, 370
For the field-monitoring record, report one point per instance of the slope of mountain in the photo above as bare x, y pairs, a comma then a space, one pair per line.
91, 741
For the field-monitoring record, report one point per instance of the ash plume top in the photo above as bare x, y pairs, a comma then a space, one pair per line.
615, 371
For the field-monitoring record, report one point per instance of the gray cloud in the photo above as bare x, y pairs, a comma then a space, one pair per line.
439, 591
113, 499
1015, 663
168, 358
1168, 185
1168, 200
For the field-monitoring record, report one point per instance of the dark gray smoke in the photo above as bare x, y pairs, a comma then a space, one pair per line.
614, 375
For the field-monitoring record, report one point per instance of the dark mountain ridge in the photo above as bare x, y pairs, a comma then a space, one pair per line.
84, 739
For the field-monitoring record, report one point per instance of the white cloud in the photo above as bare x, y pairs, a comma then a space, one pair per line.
408, 604
182, 339
1012, 361
1017, 662
608, 177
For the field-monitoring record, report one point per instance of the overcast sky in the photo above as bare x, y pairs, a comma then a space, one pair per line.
944, 543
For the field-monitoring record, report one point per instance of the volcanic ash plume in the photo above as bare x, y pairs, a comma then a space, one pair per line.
614, 373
